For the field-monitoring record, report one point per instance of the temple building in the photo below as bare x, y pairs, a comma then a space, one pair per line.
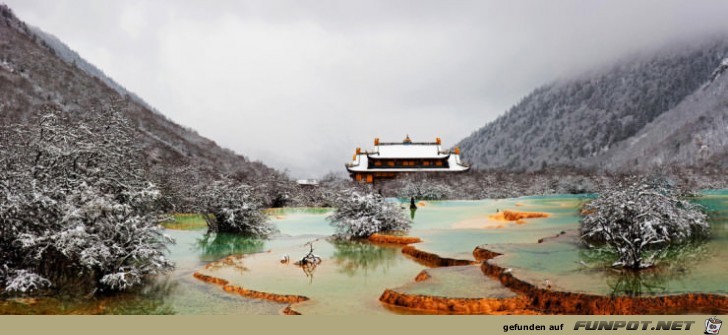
388, 159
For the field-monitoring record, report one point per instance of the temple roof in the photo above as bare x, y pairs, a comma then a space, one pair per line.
361, 165
408, 150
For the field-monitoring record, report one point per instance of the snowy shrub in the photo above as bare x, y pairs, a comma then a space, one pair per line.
360, 214
573, 185
233, 207
76, 213
275, 190
424, 189
640, 221
25, 281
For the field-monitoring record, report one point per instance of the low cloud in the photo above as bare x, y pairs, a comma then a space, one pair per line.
299, 85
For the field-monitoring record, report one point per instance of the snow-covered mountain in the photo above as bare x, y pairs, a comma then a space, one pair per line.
36, 69
670, 107
693, 133
72, 57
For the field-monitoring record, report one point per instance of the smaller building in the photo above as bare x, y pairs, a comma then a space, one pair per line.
307, 182
388, 159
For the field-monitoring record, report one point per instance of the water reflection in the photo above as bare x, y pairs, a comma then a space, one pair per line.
355, 257
309, 262
355, 260
152, 299
213, 246
637, 283
677, 262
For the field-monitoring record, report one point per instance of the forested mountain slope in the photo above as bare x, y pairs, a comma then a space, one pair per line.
694, 133
37, 69
585, 121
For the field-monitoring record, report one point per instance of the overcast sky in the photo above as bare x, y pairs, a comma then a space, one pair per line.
300, 84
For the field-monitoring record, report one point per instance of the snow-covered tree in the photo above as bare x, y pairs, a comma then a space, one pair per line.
76, 212
234, 207
276, 190
640, 220
425, 190
422, 188
360, 214
571, 184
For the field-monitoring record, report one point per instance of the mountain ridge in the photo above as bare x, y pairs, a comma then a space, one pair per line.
693, 133
38, 69
575, 122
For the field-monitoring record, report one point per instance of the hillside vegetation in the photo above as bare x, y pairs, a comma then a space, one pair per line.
673, 103
39, 72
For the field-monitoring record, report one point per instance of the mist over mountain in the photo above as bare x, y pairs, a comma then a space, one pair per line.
693, 133
38, 69
666, 108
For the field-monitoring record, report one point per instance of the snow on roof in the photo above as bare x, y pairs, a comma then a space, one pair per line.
408, 151
361, 165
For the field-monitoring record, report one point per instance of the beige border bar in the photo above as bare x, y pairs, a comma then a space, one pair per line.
295, 325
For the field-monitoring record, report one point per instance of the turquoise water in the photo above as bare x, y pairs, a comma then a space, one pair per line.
352, 275
349, 279
699, 268
458, 282
454, 228
191, 296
